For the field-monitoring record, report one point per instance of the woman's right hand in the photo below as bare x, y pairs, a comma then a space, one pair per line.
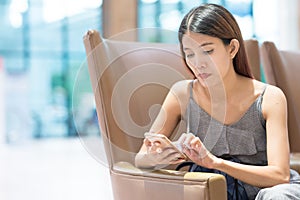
156, 154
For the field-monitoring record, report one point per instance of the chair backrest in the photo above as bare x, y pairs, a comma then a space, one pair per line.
130, 81
282, 69
252, 51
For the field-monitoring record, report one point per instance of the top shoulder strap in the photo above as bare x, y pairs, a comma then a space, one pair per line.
263, 92
191, 89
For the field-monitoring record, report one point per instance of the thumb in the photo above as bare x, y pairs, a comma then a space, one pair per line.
147, 142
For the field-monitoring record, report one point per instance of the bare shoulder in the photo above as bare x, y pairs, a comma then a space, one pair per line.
274, 94
181, 88
274, 100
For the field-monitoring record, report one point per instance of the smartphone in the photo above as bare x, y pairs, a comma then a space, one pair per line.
166, 143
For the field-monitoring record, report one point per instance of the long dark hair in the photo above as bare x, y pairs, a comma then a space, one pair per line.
216, 21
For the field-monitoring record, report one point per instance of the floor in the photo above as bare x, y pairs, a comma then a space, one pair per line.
52, 169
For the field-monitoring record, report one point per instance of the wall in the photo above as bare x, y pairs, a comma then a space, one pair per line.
278, 21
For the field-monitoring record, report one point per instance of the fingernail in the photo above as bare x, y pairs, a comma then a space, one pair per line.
158, 150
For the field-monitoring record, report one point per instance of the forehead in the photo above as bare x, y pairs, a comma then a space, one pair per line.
190, 39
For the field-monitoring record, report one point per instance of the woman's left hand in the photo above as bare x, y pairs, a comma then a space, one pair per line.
196, 151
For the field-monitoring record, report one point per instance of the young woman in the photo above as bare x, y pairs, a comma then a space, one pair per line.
237, 125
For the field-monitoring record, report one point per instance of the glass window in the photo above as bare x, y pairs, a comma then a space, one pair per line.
167, 14
41, 51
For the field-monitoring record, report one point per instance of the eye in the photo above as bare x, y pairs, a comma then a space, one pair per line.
208, 51
190, 55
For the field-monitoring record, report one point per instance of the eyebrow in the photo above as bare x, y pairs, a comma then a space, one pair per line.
201, 45
205, 44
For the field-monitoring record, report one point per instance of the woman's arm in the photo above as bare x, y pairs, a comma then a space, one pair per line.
165, 123
277, 171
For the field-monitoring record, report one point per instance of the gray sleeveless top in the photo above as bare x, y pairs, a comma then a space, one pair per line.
244, 139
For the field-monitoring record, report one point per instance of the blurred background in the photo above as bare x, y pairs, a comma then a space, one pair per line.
41, 53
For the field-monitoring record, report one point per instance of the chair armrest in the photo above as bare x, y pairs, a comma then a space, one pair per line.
194, 185
216, 183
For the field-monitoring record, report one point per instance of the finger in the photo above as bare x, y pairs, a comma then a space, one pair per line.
203, 152
162, 154
196, 143
181, 139
198, 148
187, 151
188, 139
192, 154
167, 156
156, 143
147, 142
174, 157
177, 161
168, 151
156, 148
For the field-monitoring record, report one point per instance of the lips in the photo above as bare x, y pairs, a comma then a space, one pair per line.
204, 75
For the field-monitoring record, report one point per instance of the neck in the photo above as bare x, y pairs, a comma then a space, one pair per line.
231, 83
220, 92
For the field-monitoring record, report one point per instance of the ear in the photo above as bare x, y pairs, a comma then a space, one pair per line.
234, 47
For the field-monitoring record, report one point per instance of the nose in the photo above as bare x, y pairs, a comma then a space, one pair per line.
201, 60
197, 65
200, 63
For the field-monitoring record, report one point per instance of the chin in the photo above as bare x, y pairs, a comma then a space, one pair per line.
209, 83
203, 83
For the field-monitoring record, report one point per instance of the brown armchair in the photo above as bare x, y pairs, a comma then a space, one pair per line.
130, 80
282, 69
252, 51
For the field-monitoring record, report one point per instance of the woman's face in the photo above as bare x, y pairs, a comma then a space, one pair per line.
208, 58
